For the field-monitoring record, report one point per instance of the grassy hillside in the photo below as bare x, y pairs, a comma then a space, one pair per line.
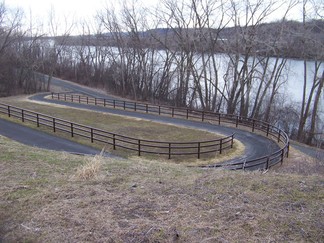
50, 196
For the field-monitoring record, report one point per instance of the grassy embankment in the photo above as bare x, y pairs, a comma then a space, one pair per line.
50, 196
57, 197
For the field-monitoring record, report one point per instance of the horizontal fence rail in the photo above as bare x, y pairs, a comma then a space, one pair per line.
205, 116
140, 146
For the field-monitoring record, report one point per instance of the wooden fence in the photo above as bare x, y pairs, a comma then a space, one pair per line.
170, 149
265, 128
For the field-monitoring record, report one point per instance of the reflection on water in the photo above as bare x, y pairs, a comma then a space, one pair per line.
292, 75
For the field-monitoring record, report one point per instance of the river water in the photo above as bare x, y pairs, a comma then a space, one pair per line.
295, 84
292, 75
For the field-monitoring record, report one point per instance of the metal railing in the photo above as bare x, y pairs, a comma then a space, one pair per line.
171, 149
265, 128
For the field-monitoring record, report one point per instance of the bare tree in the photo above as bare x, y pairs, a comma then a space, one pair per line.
18, 54
54, 47
308, 42
9, 26
314, 118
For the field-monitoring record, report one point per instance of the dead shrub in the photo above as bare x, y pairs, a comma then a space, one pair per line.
91, 169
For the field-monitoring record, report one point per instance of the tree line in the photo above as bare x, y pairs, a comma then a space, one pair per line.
219, 56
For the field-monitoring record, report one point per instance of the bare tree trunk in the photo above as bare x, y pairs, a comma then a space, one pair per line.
315, 109
303, 114
307, 101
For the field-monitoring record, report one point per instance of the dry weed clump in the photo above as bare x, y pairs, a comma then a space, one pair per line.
91, 169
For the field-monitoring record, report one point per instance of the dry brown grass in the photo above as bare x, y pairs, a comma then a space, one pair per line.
301, 163
138, 200
91, 169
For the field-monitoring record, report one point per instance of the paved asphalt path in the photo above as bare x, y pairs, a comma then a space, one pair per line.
36, 138
313, 152
70, 86
255, 145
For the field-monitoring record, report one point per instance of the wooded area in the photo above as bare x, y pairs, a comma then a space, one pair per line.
220, 56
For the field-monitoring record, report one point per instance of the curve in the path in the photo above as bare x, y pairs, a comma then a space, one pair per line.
70, 86
256, 146
313, 152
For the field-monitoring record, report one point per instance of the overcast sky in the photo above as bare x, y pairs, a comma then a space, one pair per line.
65, 9
70, 8
76, 10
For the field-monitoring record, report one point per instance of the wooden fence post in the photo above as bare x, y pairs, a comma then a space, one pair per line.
169, 150
72, 130
91, 132
198, 150
139, 147
37, 119
114, 141
282, 155
9, 111
22, 116
220, 146
54, 129
267, 163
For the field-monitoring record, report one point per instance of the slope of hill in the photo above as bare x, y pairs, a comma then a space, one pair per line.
56, 197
